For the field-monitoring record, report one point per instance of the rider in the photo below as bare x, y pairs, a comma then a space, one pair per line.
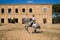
34, 23
33, 19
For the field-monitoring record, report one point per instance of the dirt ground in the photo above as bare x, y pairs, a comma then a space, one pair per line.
18, 32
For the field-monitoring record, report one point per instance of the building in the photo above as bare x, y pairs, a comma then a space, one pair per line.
42, 12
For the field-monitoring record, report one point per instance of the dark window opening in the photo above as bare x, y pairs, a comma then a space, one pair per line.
16, 10
16, 20
23, 10
44, 20
30, 10
9, 20
9, 10
23, 21
2, 10
2, 20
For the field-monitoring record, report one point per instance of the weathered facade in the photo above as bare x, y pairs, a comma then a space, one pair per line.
41, 11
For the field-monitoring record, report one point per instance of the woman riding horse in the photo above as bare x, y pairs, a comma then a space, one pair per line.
32, 24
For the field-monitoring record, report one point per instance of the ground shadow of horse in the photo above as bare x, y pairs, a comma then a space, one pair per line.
38, 32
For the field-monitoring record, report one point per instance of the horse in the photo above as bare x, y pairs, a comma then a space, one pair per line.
31, 24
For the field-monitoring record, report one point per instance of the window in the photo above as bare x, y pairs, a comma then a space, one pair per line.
23, 10
2, 20
23, 21
16, 10
9, 10
16, 20
45, 9
44, 20
30, 10
2, 10
9, 20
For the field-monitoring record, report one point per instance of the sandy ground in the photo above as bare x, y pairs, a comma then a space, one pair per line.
17, 32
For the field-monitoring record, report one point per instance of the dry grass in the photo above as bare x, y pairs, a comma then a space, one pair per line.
52, 35
6, 30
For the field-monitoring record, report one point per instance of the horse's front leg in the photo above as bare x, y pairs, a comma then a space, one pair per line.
26, 28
